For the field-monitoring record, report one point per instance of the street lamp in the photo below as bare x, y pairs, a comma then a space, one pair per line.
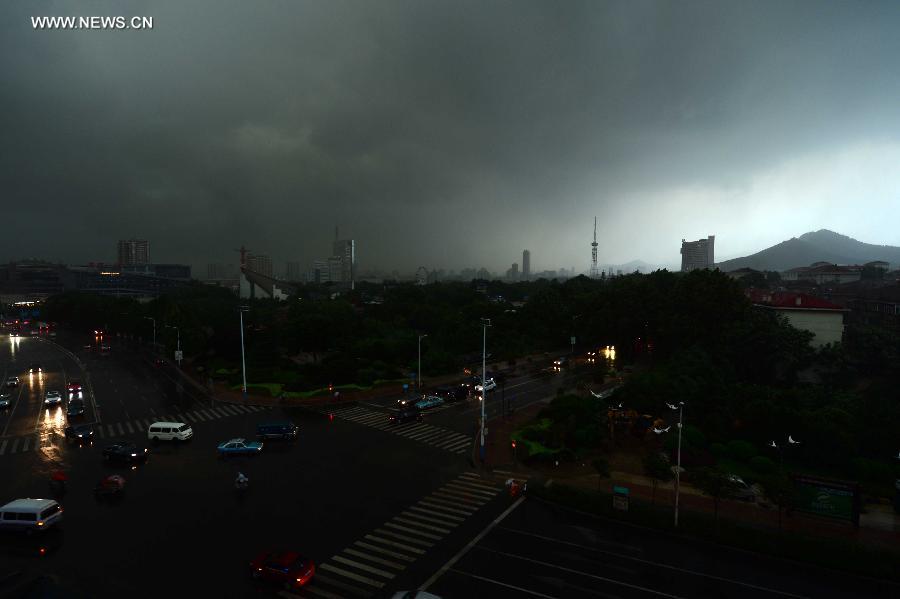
178, 348
658, 431
419, 377
485, 323
154, 330
241, 310
780, 448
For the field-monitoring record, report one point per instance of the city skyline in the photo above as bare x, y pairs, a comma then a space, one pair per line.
779, 119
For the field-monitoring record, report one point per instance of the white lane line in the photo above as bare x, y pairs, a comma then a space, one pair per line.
110, 430
477, 492
435, 513
199, 416
382, 550
229, 410
100, 431
504, 584
209, 414
435, 503
370, 418
121, 430
444, 516
471, 544
450, 442
14, 446
332, 582
390, 543
407, 520
595, 576
370, 569
310, 589
438, 434
351, 575
417, 517
128, 426
412, 530
477, 484
447, 494
24, 445
649, 562
218, 412
372, 558
3, 446
419, 434
459, 446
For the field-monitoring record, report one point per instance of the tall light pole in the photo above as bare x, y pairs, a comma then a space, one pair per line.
178, 347
680, 408
154, 330
419, 376
485, 323
243, 359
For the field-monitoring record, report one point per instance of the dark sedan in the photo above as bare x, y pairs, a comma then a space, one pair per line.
79, 433
125, 451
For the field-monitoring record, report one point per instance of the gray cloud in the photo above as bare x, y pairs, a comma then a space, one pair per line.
447, 133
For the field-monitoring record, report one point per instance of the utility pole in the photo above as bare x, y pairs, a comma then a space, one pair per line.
419, 375
241, 310
485, 323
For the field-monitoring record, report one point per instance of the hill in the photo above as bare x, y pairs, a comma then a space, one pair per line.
816, 246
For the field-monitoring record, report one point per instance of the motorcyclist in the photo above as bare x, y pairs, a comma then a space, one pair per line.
241, 482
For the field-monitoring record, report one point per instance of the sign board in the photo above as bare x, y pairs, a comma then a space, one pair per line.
178, 355
573, 341
835, 499
620, 498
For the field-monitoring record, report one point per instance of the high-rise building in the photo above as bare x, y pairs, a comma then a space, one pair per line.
512, 273
526, 264
336, 269
133, 252
698, 254
318, 273
292, 271
260, 263
345, 249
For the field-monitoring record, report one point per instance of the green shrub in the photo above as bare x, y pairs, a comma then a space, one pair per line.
740, 450
762, 464
717, 449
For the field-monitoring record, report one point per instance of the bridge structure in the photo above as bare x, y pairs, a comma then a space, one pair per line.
256, 284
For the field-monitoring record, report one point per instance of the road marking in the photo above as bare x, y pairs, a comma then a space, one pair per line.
209, 415
438, 435
471, 544
341, 585
3, 446
657, 564
110, 430
412, 530
571, 544
434, 502
396, 544
130, 430
378, 549
121, 430
372, 558
310, 589
473, 492
24, 444
14, 446
503, 584
595, 576
406, 520
363, 567
351, 575
198, 416
457, 497
435, 513
100, 431
459, 445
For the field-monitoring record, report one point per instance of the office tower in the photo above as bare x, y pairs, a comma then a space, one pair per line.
133, 252
526, 264
698, 254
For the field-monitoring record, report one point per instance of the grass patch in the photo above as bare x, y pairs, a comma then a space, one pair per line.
835, 554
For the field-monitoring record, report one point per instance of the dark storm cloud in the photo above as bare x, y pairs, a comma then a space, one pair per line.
407, 123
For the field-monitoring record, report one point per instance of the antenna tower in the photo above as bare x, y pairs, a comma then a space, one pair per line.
594, 272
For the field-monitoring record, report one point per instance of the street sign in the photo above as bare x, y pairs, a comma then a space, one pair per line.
178, 355
620, 498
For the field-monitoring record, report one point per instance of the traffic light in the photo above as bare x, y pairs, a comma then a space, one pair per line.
513, 443
331, 416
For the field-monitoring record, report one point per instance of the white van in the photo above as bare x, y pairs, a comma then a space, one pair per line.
30, 515
169, 431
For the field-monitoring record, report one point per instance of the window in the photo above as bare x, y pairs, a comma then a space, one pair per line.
9, 516
53, 509
29, 517
183, 428
165, 430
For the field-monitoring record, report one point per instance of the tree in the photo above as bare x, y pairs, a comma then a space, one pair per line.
779, 489
659, 470
716, 483
601, 465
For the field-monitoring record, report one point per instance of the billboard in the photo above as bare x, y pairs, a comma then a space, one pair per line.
828, 498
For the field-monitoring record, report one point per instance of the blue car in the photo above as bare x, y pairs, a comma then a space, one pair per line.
429, 401
239, 447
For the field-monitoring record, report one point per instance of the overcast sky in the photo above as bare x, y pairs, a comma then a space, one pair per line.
448, 134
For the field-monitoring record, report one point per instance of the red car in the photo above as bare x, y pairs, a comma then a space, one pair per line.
74, 386
287, 568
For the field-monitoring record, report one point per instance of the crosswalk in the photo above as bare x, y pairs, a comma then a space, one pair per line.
136, 426
368, 565
421, 432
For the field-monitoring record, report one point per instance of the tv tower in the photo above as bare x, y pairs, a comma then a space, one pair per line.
594, 272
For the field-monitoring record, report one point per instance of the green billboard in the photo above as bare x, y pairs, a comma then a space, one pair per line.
827, 498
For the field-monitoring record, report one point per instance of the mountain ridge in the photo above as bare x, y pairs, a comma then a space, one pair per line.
823, 245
